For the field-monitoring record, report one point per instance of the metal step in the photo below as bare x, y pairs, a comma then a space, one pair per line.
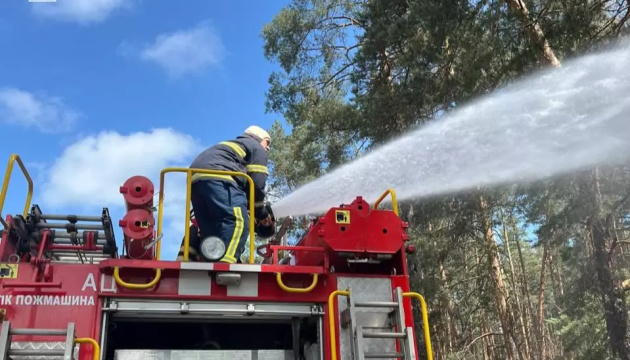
377, 304
384, 335
383, 355
36, 352
7, 352
203, 354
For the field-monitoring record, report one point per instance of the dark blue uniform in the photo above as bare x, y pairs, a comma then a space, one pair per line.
220, 202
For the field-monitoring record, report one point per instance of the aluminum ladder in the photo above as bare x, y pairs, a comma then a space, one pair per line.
6, 334
402, 335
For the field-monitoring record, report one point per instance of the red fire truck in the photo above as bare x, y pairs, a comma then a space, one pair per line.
66, 291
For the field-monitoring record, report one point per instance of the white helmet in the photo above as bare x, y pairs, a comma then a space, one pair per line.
258, 132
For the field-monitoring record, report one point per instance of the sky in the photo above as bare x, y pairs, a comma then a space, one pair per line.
95, 91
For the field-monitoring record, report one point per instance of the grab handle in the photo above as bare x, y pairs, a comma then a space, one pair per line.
331, 321
5, 186
96, 349
296, 290
425, 321
152, 283
394, 201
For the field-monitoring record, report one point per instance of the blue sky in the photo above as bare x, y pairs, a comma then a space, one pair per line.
95, 91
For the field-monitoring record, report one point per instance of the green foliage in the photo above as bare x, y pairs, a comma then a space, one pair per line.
309, 39
581, 329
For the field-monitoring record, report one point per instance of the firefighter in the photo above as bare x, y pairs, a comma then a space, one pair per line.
220, 202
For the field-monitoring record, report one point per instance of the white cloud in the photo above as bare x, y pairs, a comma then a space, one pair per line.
84, 12
184, 51
46, 113
89, 173
93, 168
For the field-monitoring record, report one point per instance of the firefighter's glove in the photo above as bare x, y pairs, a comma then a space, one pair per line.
263, 212
266, 226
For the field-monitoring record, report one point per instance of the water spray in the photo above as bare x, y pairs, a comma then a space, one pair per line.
555, 122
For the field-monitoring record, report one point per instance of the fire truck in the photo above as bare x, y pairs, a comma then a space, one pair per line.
340, 293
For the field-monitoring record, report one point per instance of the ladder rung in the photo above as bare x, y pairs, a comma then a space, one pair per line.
377, 304
37, 352
7, 332
384, 335
383, 355
62, 332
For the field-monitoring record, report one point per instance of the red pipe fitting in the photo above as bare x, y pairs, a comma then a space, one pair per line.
138, 192
138, 233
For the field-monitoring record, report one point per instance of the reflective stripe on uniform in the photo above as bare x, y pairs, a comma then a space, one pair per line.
258, 169
196, 177
236, 237
236, 147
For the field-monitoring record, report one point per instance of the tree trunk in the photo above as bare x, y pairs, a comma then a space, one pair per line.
499, 289
451, 327
534, 32
541, 302
448, 341
528, 308
612, 292
558, 288
524, 354
487, 348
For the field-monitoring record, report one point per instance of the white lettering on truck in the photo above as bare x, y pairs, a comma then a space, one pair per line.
60, 300
89, 281
112, 284
48, 300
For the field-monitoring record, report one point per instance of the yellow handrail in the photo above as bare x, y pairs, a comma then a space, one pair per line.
5, 186
189, 173
425, 321
331, 321
296, 290
394, 201
119, 281
96, 354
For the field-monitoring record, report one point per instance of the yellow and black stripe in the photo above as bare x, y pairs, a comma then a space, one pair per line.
253, 168
198, 176
236, 147
230, 254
